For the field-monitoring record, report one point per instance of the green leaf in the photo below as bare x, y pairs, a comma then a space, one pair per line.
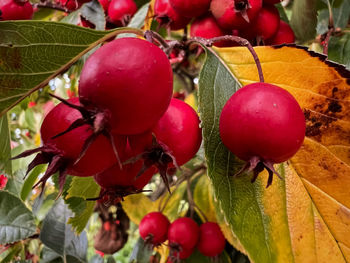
16, 220
340, 17
15, 183
197, 257
304, 19
141, 253
138, 20
57, 235
33, 52
339, 49
80, 189
30, 180
94, 12
5, 147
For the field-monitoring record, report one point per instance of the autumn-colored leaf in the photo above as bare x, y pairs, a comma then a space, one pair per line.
306, 217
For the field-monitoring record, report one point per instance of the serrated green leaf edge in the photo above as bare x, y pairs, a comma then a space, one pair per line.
16, 220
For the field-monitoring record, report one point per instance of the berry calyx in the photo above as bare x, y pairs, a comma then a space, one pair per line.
15, 10
167, 17
176, 139
131, 89
191, 8
262, 124
284, 35
121, 11
211, 240
183, 234
154, 228
237, 14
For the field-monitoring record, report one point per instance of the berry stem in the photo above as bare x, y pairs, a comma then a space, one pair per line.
239, 40
151, 35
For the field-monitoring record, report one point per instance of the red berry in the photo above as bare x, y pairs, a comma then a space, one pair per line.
211, 240
31, 104
235, 14
191, 8
3, 181
178, 130
70, 4
15, 10
207, 27
154, 227
262, 124
121, 11
133, 86
62, 152
184, 233
166, 15
284, 35
267, 22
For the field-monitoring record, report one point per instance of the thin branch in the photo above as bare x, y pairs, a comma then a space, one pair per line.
235, 39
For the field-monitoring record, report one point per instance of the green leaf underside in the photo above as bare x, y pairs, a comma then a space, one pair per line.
304, 19
5, 148
339, 49
16, 220
80, 189
239, 199
33, 52
57, 235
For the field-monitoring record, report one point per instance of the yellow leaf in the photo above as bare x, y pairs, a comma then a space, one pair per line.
309, 213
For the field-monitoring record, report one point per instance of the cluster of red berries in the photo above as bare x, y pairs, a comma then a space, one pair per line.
256, 20
118, 12
183, 235
15, 10
125, 126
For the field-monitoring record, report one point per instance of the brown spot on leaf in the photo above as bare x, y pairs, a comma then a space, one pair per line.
315, 123
334, 107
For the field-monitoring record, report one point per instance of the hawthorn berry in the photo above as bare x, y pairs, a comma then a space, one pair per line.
72, 153
167, 17
130, 89
121, 11
72, 4
177, 138
3, 181
267, 22
235, 14
154, 228
15, 10
262, 124
211, 240
284, 35
191, 8
207, 27
183, 234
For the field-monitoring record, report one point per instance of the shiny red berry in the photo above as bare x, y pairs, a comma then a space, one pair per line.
15, 10
211, 240
154, 228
